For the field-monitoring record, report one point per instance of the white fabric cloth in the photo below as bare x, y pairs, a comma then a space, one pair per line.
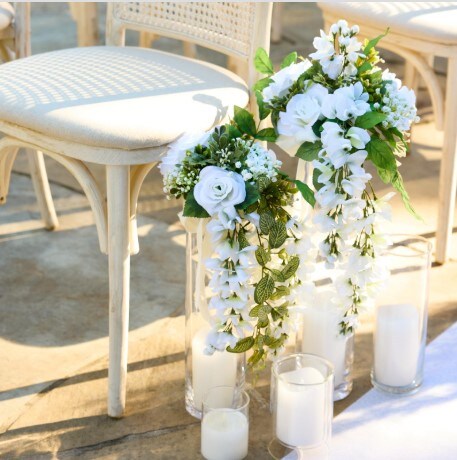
6, 14
420, 426
117, 97
433, 21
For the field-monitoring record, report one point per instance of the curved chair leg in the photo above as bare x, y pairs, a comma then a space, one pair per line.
7, 157
118, 191
42, 189
448, 171
138, 175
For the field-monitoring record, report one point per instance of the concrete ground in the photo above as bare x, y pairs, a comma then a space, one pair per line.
54, 309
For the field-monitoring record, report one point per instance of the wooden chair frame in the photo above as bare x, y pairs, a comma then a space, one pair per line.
115, 220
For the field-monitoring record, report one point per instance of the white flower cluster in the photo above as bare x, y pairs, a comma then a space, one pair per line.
170, 166
338, 51
350, 219
283, 80
398, 103
260, 162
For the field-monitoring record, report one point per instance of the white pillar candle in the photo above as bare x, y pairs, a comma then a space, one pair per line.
208, 371
300, 411
225, 434
396, 344
321, 337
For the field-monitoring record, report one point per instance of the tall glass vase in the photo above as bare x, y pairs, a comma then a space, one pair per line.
319, 335
401, 316
204, 371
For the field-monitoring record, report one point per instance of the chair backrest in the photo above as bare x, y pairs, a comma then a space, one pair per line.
235, 29
22, 29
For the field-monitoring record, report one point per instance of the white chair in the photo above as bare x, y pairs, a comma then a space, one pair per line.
120, 107
419, 31
15, 43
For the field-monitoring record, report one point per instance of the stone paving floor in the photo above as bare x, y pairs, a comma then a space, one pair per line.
53, 301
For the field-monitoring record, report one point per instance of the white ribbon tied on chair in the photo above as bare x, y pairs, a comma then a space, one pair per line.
197, 226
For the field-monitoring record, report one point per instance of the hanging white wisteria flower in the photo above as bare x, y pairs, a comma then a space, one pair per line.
339, 113
229, 178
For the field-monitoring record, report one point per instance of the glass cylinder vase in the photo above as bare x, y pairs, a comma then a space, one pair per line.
319, 334
204, 371
302, 404
400, 327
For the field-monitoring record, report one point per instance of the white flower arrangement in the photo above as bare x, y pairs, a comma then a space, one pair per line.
229, 178
339, 113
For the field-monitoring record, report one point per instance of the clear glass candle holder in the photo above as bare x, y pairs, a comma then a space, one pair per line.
319, 334
401, 316
204, 371
225, 424
302, 405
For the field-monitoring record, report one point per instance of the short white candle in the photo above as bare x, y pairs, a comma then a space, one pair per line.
321, 337
208, 371
300, 412
225, 434
396, 344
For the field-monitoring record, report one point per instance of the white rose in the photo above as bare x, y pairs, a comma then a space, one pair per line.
218, 189
282, 80
295, 125
178, 148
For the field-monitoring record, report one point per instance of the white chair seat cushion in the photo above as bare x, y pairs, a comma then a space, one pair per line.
115, 97
6, 14
433, 21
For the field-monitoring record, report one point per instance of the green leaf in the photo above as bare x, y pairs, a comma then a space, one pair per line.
373, 42
262, 62
192, 208
263, 112
252, 196
397, 182
281, 291
264, 289
278, 234
309, 151
267, 134
234, 132
364, 68
264, 311
266, 221
306, 192
370, 120
380, 153
291, 267
277, 275
289, 60
242, 345
245, 121
316, 173
242, 239
262, 84
262, 256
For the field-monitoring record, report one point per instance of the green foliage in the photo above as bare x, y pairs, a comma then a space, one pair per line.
252, 196
262, 256
266, 221
264, 289
192, 208
306, 192
244, 120
266, 134
291, 267
289, 60
373, 42
370, 120
263, 111
262, 84
309, 151
278, 234
242, 345
262, 62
